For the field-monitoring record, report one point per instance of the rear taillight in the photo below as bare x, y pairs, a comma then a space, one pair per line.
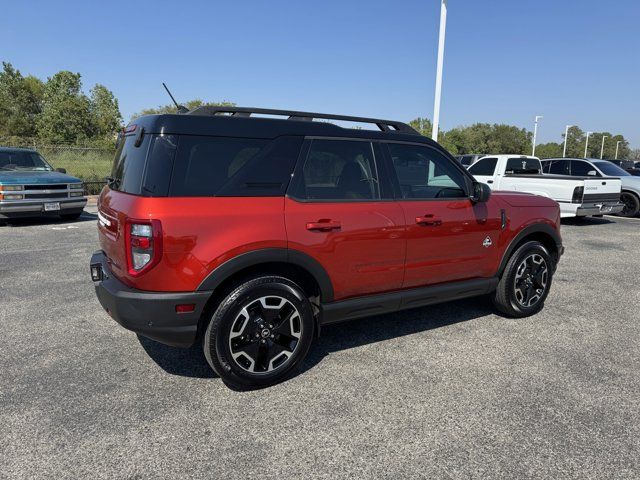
143, 240
578, 193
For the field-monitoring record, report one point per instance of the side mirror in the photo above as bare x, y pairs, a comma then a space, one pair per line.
592, 173
481, 192
61, 170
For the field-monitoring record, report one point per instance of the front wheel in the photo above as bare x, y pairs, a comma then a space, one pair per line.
525, 282
631, 204
259, 332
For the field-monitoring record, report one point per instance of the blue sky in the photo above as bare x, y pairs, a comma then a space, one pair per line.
575, 62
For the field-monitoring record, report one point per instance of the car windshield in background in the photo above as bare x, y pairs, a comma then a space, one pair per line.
23, 161
611, 169
523, 166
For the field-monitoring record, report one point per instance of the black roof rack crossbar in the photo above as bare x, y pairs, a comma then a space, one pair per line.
384, 125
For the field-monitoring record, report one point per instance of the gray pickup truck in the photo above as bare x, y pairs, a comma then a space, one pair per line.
30, 187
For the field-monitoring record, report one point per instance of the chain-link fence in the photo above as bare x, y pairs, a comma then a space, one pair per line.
90, 164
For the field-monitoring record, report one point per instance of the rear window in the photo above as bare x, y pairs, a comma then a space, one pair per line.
523, 166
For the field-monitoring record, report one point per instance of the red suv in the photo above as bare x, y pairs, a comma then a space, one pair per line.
248, 233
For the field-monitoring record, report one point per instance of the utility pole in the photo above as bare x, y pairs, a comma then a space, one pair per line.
586, 144
617, 145
602, 147
436, 101
535, 134
566, 135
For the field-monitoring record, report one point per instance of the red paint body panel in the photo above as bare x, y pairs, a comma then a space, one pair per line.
365, 247
453, 248
200, 233
364, 256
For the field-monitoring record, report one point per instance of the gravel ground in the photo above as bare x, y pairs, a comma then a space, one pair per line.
451, 391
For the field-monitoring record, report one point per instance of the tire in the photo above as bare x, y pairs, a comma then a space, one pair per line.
523, 287
70, 216
259, 333
631, 204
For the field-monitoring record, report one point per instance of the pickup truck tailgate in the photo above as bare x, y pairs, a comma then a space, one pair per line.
602, 190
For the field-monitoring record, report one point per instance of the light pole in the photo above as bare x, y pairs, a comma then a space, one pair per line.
436, 100
535, 134
602, 147
566, 135
586, 144
617, 145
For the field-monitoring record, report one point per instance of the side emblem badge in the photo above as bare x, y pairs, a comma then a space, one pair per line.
487, 242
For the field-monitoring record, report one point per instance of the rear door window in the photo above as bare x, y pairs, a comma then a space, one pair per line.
339, 170
556, 167
485, 166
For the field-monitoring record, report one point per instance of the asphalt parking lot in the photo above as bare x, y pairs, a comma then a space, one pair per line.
451, 391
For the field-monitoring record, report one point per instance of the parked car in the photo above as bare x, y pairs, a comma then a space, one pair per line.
630, 195
577, 196
30, 187
468, 160
629, 165
249, 234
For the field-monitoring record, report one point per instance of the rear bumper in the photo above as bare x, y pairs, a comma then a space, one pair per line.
599, 209
151, 314
36, 208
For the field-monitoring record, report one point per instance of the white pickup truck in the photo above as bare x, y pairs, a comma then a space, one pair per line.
577, 196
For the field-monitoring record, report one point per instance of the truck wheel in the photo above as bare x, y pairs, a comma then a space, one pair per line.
525, 282
631, 204
259, 333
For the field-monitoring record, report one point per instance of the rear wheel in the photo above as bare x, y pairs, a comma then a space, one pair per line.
631, 204
525, 282
259, 332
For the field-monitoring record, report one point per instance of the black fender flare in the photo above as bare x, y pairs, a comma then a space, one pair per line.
527, 231
270, 255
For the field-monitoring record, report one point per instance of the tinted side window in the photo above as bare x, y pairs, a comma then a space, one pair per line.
580, 168
268, 173
128, 165
205, 165
424, 173
485, 166
339, 170
556, 167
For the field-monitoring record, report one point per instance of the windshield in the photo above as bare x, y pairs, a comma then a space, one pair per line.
611, 170
24, 161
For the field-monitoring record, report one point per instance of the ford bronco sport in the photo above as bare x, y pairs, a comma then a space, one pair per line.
249, 233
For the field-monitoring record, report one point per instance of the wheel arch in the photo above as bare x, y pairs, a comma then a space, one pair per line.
541, 232
292, 264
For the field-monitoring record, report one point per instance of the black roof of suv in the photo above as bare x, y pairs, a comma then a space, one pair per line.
241, 122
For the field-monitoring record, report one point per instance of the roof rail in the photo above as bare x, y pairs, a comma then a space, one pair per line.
384, 125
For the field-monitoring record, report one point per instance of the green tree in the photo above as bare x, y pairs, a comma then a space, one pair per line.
549, 150
191, 104
20, 102
422, 125
105, 113
66, 111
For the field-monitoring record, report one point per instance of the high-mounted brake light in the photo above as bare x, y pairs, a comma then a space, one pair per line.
143, 240
130, 128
